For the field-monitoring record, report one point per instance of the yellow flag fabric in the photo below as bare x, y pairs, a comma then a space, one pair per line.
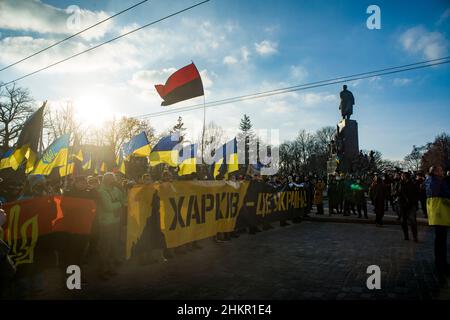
31, 160
66, 170
79, 156
55, 156
187, 166
233, 164
438, 211
13, 158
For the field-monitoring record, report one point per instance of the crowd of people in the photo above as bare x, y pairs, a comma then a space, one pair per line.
347, 195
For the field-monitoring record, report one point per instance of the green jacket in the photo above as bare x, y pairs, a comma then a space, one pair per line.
111, 201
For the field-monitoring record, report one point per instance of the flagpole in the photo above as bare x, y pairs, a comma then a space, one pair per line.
69, 150
41, 140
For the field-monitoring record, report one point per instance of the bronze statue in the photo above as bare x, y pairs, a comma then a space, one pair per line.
347, 102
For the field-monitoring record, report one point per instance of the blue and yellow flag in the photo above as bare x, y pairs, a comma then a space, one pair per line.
70, 167
13, 158
67, 169
55, 156
227, 161
87, 161
187, 160
5, 161
100, 167
31, 157
163, 151
120, 161
138, 146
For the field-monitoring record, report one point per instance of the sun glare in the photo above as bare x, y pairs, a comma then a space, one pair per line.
93, 110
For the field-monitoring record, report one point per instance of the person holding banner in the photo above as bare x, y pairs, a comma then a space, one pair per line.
110, 204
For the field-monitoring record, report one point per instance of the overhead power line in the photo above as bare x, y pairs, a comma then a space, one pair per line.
103, 43
72, 36
354, 77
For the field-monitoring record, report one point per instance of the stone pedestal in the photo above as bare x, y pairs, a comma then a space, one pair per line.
347, 147
348, 133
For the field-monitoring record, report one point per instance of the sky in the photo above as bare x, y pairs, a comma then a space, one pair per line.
241, 47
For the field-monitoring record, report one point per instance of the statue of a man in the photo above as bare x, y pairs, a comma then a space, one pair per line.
347, 102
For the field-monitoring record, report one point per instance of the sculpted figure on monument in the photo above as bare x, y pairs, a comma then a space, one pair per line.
347, 102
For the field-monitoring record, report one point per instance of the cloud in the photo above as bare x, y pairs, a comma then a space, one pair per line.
42, 18
230, 60
444, 16
298, 72
206, 79
266, 48
112, 57
400, 82
314, 99
419, 40
245, 54
278, 106
146, 79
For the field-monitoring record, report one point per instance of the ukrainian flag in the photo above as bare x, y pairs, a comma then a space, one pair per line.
227, 162
31, 157
103, 167
87, 162
55, 156
163, 151
121, 162
67, 169
187, 160
79, 156
138, 146
100, 167
70, 167
5, 161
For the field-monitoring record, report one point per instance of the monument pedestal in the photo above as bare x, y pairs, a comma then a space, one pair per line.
347, 147
348, 133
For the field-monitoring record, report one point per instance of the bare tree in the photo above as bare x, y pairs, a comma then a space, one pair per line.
59, 120
116, 132
437, 153
16, 105
214, 138
413, 160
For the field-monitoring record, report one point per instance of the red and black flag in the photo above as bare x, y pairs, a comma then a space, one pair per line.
184, 84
